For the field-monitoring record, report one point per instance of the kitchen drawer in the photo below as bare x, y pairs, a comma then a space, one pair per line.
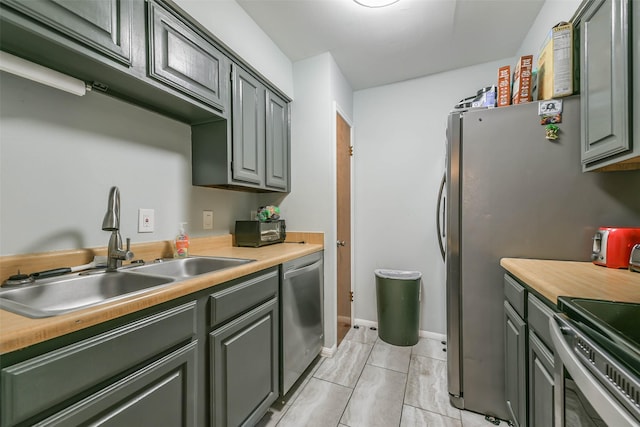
159, 394
42, 382
538, 319
515, 293
238, 298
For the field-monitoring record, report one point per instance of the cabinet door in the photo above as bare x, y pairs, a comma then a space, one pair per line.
104, 26
34, 386
182, 59
277, 140
248, 111
160, 394
244, 373
541, 385
515, 365
605, 86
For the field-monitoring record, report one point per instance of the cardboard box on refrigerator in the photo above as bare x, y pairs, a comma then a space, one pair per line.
504, 86
555, 63
522, 82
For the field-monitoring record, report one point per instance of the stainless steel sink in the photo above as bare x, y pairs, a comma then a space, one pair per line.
184, 268
53, 297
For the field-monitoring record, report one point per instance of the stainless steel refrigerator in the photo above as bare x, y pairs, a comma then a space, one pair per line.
510, 192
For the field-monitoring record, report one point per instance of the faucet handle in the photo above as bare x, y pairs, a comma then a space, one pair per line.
128, 255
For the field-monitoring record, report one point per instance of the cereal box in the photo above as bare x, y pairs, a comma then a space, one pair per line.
522, 80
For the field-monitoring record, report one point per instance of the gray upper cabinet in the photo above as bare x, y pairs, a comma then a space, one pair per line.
251, 150
605, 85
277, 142
247, 128
182, 59
104, 26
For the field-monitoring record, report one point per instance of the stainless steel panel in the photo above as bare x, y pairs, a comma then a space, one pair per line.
302, 316
453, 267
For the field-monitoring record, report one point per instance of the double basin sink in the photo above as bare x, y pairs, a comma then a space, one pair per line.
52, 297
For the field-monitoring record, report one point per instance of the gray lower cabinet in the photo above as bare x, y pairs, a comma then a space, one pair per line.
182, 59
541, 385
160, 394
104, 26
250, 151
244, 351
529, 363
515, 352
607, 100
210, 358
110, 377
541, 363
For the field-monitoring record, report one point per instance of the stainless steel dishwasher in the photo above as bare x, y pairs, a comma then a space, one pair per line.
302, 333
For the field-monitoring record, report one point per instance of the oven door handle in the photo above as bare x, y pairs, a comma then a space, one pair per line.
609, 409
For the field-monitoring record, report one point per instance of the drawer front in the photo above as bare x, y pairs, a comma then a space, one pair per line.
160, 394
104, 26
237, 299
538, 320
515, 293
180, 58
37, 384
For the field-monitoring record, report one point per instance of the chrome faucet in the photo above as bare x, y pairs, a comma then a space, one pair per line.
111, 222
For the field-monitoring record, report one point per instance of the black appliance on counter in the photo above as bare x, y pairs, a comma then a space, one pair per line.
597, 363
257, 233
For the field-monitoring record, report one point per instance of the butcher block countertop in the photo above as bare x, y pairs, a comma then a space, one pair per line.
17, 332
552, 279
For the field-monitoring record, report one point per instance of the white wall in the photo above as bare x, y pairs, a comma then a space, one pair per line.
311, 205
60, 154
399, 162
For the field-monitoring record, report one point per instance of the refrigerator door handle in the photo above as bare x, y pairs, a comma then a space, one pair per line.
441, 205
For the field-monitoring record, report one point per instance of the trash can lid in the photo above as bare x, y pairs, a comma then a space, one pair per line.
398, 274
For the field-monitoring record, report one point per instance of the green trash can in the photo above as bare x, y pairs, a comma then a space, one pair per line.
398, 301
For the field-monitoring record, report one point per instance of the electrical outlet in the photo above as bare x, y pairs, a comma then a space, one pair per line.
207, 220
146, 220
253, 215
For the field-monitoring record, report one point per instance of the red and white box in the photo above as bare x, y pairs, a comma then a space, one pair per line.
522, 89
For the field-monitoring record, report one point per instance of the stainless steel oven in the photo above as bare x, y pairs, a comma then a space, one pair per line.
597, 363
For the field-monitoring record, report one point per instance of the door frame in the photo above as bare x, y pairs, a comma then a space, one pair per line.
334, 228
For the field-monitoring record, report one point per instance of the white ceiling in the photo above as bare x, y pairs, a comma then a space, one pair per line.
409, 39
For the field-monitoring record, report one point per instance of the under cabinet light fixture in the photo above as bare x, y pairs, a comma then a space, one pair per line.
376, 3
37, 73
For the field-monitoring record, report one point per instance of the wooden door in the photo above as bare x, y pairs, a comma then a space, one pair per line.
343, 190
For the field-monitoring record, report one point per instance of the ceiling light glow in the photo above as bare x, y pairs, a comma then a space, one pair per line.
375, 3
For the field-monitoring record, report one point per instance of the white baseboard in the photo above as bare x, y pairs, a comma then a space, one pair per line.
328, 351
423, 334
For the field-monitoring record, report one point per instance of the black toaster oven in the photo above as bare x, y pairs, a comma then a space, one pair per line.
256, 233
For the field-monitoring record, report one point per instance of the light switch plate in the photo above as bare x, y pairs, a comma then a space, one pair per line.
146, 220
207, 220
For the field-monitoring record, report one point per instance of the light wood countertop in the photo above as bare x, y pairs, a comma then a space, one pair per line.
552, 279
17, 332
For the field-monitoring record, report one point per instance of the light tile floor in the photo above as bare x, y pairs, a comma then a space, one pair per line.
369, 383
